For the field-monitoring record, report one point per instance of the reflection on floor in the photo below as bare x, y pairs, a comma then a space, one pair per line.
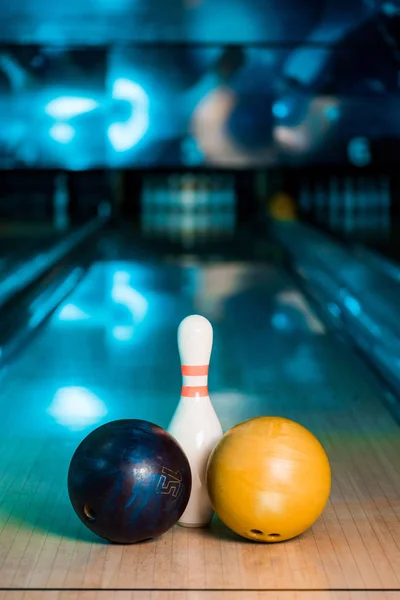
110, 352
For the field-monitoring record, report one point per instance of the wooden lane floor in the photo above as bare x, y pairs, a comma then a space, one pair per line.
198, 595
110, 352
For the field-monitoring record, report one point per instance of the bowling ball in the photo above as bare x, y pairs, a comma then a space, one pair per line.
250, 123
282, 207
268, 479
129, 480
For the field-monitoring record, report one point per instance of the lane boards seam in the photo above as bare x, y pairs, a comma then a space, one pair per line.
210, 590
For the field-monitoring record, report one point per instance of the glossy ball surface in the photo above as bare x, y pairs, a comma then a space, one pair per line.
268, 479
129, 480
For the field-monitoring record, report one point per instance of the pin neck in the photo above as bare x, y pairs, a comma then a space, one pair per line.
194, 381
194, 370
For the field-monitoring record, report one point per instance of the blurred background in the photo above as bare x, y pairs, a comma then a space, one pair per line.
223, 106
207, 128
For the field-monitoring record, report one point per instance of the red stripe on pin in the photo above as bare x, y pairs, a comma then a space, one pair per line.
190, 370
195, 391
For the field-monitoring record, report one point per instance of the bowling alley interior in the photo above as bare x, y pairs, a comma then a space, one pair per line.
200, 300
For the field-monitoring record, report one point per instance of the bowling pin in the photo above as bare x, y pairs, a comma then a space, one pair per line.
195, 424
188, 203
320, 203
174, 194
384, 201
364, 209
349, 206
146, 205
228, 207
61, 203
201, 211
161, 206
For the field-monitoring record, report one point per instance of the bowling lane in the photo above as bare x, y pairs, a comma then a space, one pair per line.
110, 352
20, 246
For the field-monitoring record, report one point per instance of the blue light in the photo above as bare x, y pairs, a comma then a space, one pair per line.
66, 107
280, 109
191, 153
390, 9
305, 64
352, 305
359, 152
332, 113
77, 408
71, 312
123, 333
62, 133
123, 293
124, 136
280, 321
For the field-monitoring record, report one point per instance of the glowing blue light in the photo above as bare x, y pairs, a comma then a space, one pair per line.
280, 321
124, 136
305, 64
71, 312
76, 408
352, 305
66, 107
121, 278
390, 9
123, 293
62, 133
280, 109
191, 153
332, 113
123, 333
359, 152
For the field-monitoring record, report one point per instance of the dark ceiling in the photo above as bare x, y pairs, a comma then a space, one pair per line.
199, 21
89, 83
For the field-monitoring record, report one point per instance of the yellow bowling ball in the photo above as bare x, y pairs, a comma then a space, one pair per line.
282, 207
268, 479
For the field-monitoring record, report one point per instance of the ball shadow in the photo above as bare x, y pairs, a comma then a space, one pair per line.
46, 509
217, 529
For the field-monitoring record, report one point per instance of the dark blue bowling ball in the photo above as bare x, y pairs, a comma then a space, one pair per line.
129, 481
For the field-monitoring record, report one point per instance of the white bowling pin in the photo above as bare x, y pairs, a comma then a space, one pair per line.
195, 424
334, 204
61, 202
320, 203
